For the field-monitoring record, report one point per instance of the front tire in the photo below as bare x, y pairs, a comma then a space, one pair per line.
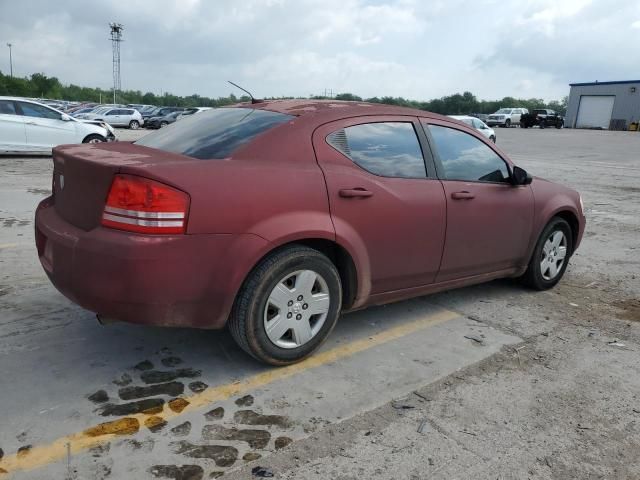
550, 256
94, 138
507, 124
287, 306
134, 125
163, 124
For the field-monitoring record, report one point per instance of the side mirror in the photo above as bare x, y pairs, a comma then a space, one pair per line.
65, 118
520, 176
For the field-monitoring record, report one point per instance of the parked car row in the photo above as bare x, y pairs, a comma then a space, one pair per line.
31, 127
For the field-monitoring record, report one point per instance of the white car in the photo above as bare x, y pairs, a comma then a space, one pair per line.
506, 117
117, 117
30, 127
478, 124
192, 110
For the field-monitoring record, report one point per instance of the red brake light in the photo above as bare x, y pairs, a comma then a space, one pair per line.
138, 204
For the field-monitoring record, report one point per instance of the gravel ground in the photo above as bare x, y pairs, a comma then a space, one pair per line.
556, 395
565, 403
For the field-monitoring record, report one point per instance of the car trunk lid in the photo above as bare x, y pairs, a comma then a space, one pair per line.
82, 176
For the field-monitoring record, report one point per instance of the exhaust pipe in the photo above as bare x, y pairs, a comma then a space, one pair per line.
104, 321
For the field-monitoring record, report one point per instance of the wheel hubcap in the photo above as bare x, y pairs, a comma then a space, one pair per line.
296, 309
554, 254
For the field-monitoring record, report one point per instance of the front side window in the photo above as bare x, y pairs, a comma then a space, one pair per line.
33, 110
7, 107
478, 124
388, 149
464, 157
215, 133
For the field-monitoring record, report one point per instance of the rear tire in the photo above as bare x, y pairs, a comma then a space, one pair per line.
134, 125
550, 256
94, 138
274, 316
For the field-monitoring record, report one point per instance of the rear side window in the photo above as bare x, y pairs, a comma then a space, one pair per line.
33, 110
215, 133
7, 107
464, 157
388, 149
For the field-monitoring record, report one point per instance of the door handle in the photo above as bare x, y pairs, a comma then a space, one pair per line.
462, 195
30, 123
355, 192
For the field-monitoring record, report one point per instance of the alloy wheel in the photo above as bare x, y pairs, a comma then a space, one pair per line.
554, 254
296, 309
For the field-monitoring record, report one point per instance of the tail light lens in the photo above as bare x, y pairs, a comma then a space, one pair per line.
138, 204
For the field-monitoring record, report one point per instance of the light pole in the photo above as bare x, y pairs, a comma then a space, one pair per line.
10, 59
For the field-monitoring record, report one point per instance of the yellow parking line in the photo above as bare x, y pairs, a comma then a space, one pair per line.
40, 456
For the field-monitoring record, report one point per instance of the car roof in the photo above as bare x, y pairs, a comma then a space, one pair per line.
328, 110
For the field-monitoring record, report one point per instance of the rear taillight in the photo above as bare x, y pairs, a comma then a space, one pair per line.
137, 204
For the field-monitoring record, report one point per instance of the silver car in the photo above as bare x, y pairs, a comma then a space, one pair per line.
117, 117
478, 124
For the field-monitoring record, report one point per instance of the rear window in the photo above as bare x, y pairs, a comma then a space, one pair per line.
214, 133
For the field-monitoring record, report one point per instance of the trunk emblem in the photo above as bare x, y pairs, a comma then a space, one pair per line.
61, 182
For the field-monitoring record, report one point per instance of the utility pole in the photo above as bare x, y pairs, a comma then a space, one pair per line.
10, 59
116, 38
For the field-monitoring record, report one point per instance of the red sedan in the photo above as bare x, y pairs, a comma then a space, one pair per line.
274, 217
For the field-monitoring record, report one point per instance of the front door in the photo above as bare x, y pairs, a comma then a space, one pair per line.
489, 220
386, 205
45, 128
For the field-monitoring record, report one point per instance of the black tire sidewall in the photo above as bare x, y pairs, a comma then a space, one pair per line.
535, 275
257, 338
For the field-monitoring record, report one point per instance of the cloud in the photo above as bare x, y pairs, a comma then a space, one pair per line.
404, 48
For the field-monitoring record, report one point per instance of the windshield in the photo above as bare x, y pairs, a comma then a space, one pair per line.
504, 111
215, 133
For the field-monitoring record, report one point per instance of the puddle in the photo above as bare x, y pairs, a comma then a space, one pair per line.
174, 472
282, 442
178, 404
182, 430
171, 389
251, 456
144, 365
123, 426
215, 414
159, 376
249, 417
171, 361
99, 397
155, 424
148, 405
245, 401
223, 456
255, 438
197, 387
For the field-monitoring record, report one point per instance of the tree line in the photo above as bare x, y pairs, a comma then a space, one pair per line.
38, 85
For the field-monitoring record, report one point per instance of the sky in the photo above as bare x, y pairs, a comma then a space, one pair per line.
417, 49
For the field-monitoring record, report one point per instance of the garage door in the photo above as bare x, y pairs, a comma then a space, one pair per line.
594, 111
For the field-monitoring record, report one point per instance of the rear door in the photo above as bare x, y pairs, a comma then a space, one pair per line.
489, 221
385, 203
114, 117
45, 128
13, 136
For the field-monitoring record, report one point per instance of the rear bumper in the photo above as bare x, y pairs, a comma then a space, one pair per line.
165, 280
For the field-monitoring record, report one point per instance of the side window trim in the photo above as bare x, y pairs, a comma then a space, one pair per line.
424, 123
425, 147
379, 120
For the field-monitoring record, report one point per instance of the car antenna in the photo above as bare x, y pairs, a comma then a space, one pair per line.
253, 100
